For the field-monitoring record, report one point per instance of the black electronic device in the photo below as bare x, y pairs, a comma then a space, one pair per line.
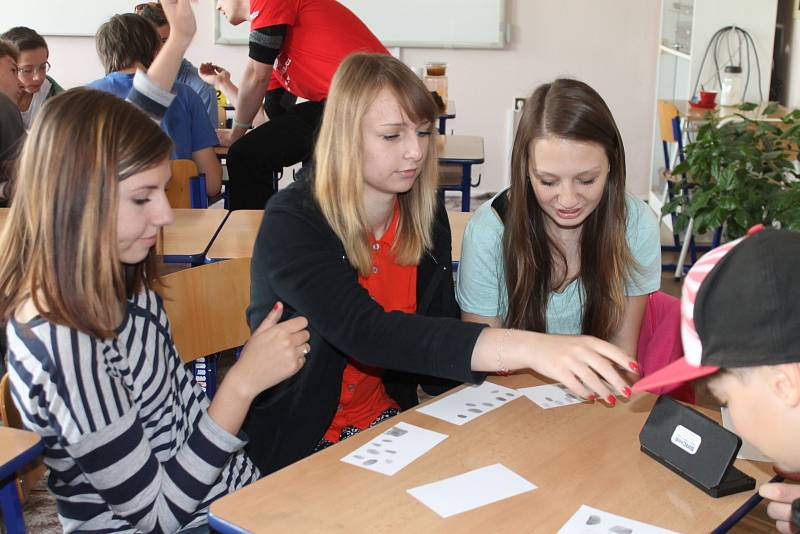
695, 447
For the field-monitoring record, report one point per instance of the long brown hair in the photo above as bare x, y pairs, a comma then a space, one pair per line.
60, 240
566, 109
338, 173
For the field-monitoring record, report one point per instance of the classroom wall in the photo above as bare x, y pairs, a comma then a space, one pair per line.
610, 45
789, 68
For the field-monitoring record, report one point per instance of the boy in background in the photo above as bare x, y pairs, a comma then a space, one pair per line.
187, 74
12, 129
740, 326
127, 43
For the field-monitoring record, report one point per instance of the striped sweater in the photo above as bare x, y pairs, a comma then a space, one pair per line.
128, 439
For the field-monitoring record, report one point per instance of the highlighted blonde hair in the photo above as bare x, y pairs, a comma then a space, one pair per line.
338, 158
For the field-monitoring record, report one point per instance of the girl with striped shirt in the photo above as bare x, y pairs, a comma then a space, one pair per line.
132, 443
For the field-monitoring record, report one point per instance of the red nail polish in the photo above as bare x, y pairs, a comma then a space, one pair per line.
592, 397
626, 391
277, 305
612, 400
635, 367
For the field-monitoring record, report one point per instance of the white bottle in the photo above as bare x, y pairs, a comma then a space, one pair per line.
732, 92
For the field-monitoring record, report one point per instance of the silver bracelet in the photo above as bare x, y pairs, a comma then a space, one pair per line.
244, 125
501, 369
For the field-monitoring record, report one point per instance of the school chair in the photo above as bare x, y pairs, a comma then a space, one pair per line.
669, 122
206, 307
659, 342
28, 477
187, 187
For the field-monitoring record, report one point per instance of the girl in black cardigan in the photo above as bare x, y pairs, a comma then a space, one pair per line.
319, 251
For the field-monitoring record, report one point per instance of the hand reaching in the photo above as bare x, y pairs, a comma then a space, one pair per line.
214, 74
585, 364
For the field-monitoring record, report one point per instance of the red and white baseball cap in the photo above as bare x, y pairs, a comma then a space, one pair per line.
740, 307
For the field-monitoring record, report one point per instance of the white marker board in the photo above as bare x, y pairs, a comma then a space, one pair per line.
61, 17
413, 23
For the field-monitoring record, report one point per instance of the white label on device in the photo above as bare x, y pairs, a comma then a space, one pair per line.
686, 439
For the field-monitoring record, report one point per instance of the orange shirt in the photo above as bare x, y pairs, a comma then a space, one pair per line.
394, 287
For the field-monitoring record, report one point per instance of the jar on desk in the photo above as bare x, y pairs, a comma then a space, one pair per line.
435, 78
732, 87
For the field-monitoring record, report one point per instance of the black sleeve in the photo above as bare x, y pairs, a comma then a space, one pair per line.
298, 259
266, 43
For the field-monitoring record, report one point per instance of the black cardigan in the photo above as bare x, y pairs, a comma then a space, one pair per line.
299, 260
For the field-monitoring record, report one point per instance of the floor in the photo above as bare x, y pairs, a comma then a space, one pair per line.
40, 514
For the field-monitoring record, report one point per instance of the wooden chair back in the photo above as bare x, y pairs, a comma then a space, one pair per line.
449, 174
178, 187
28, 477
206, 306
8, 412
666, 112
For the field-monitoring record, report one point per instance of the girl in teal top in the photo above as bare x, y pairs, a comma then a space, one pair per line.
564, 250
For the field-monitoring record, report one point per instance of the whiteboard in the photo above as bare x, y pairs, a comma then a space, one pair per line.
61, 17
413, 23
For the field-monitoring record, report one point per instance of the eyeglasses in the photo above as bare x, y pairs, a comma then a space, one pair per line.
138, 8
27, 72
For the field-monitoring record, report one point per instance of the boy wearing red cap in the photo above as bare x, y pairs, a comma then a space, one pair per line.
740, 326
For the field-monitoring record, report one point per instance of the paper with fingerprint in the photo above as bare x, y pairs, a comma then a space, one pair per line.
389, 452
551, 395
471, 402
588, 520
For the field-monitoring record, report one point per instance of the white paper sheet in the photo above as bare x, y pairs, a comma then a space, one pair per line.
469, 403
588, 520
394, 449
551, 396
471, 490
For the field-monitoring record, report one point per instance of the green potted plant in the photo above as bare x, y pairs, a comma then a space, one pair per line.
738, 173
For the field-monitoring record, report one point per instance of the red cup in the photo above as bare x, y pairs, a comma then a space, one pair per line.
707, 98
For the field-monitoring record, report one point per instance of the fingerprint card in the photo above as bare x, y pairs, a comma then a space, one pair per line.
588, 520
551, 396
389, 452
471, 490
470, 402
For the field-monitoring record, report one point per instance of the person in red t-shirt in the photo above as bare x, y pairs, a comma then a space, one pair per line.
295, 47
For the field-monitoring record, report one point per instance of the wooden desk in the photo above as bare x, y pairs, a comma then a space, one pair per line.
17, 449
187, 239
698, 114
463, 151
221, 152
458, 223
237, 236
581, 454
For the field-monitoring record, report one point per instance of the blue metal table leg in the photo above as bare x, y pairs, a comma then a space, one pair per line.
10, 507
466, 184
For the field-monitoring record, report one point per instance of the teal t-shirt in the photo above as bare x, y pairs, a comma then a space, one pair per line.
481, 287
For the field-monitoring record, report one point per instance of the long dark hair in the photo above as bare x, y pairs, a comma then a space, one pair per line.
566, 109
60, 240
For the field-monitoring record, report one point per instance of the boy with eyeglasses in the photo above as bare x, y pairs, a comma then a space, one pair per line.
33, 68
